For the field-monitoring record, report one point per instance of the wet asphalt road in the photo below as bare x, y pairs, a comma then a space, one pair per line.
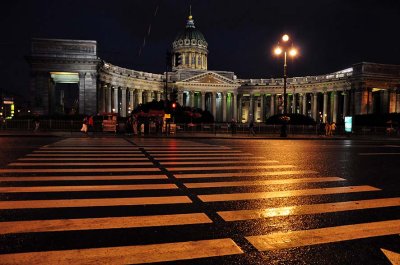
373, 164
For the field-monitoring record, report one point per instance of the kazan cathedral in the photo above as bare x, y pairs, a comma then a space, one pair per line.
68, 75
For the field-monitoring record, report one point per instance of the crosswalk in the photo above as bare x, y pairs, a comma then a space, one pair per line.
132, 201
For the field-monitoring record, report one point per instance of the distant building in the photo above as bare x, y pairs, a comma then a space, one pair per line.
7, 108
68, 77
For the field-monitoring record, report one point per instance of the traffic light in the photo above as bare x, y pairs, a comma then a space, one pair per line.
178, 59
174, 106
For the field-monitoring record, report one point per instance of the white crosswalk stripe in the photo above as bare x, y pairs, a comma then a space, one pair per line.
160, 187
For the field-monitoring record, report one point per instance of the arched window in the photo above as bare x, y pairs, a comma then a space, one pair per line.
193, 60
199, 60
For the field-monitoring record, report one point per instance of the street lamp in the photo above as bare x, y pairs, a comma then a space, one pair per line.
285, 48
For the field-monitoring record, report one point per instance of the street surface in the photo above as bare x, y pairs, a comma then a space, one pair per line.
199, 201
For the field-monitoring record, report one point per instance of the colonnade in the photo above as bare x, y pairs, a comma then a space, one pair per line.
322, 106
122, 100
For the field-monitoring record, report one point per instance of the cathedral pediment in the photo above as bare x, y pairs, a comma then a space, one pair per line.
209, 78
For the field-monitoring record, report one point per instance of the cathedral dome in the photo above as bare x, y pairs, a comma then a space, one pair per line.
190, 48
190, 37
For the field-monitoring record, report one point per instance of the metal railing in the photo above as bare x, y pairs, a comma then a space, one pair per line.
212, 128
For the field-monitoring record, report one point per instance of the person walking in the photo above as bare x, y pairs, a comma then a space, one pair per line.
233, 126
91, 124
251, 128
128, 126
332, 129
135, 125
84, 128
327, 129
37, 124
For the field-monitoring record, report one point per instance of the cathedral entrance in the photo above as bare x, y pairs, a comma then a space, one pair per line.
65, 90
67, 98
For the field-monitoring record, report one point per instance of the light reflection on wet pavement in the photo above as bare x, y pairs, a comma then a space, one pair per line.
333, 206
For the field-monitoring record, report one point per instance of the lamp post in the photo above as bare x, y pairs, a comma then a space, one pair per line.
285, 48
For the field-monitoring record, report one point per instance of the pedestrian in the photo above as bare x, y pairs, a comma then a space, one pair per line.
251, 128
84, 128
134, 125
332, 129
90, 124
37, 124
327, 129
321, 128
128, 126
233, 126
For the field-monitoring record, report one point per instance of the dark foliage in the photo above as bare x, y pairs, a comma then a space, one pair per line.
295, 119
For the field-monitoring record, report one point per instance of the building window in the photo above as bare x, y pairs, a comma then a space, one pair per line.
199, 61
193, 60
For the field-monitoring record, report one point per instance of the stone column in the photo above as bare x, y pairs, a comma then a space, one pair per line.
335, 106
109, 98
345, 102
301, 96
116, 101
123, 102
180, 97
392, 101
158, 96
357, 102
203, 100
251, 108
149, 97
191, 99
131, 98
398, 101
235, 109
223, 106
262, 107
139, 95
315, 106
99, 95
52, 97
214, 105
272, 105
294, 103
240, 118
384, 101
304, 111
325, 107
103, 97
82, 93
87, 92
365, 101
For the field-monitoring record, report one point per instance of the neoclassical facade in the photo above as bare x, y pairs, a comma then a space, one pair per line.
363, 88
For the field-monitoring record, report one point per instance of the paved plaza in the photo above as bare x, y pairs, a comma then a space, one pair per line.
113, 200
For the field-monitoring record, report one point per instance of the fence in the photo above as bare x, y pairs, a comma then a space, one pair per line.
212, 128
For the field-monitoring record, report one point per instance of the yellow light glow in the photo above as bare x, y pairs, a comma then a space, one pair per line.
293, 52
273, 212
278, 50
376, 89
63, 73
285, 37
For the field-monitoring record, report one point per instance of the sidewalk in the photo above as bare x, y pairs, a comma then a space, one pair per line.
195, 135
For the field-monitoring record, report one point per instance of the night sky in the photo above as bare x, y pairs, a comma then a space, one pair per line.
331, 35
